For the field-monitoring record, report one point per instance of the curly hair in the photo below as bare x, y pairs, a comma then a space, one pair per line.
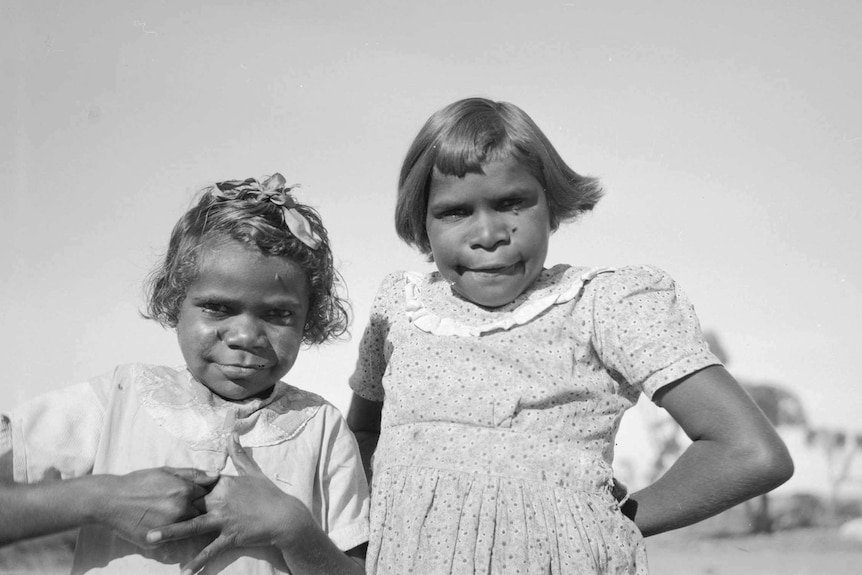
470, 133
246, 218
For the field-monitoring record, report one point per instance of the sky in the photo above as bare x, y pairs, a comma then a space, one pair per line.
728, 137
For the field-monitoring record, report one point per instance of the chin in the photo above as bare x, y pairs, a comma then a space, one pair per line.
236, 392
492, 301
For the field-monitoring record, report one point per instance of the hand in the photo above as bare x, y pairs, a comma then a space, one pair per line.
619, 490
248, 510
141, 500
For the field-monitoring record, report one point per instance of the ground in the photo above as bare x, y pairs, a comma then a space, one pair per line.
793, 552
810, 551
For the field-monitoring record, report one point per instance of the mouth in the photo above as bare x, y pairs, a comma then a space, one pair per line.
491, 270
241, 370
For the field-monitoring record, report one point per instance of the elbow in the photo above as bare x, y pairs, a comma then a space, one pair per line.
769, 464
782, 468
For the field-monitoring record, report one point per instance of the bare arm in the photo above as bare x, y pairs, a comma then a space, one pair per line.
735, 453
363, 418
129, 504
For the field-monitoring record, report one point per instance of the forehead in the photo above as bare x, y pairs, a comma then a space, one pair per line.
241, 271
498, 178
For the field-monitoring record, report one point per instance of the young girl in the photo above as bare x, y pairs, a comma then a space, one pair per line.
501, 383
265, 476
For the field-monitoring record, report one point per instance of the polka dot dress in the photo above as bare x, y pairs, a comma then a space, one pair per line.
498, 425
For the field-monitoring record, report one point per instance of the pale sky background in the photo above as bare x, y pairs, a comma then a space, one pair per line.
728, 135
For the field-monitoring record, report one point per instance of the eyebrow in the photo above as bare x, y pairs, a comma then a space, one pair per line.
282, 300
505, 193
446, 203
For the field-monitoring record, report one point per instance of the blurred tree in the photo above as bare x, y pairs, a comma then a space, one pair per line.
780, 406
841, 448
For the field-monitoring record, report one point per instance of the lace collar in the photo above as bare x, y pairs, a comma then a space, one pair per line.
552, 288
192, 413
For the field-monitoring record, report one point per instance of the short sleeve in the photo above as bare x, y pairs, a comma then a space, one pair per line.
344, 485
646, 329
367, 378
56, 435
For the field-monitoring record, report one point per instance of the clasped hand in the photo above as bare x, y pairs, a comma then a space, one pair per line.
141, 500
247, 510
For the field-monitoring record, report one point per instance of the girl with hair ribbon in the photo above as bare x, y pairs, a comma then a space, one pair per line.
490, 391
217, 465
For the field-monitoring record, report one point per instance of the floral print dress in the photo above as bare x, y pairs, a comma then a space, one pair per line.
498, 424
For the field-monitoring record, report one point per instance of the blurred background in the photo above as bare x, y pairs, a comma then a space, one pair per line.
728, 136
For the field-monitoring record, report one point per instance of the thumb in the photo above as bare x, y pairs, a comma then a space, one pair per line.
244, 464
192, 475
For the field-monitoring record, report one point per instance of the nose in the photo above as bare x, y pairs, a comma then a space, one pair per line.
244, 332
489, 231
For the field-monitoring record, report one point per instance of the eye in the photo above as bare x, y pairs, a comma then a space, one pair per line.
450, 214
511, 205
214, 309
280, 316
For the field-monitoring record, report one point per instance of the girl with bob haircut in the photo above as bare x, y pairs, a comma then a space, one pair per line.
216, 464
461, 138
490, 391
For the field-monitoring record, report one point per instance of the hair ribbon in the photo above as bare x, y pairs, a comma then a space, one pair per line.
272, 189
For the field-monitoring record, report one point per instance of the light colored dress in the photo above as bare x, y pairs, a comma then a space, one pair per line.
142, 416
498, 424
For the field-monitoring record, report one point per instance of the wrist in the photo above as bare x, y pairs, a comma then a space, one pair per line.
97, 495
629, 507
293, 526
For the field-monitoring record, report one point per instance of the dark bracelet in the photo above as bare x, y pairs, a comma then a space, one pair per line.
629, 508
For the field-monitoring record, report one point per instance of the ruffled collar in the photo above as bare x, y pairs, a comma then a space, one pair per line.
423, 294
189, 411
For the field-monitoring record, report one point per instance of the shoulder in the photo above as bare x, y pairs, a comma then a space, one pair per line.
297, 398
128, 376
630, 280
145, 370
139, 376
392, 284
641, 274
296, 409
393, 279
397, 280
399, 288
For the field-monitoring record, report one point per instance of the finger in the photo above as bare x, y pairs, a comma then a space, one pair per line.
200, 504
192, 475
244, 464
183, 530
204, 557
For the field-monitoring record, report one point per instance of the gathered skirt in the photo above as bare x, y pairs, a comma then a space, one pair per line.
448, 502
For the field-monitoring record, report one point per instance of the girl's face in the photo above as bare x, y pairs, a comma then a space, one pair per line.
240, 325
489, 232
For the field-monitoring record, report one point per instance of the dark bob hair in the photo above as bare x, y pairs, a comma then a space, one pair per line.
246, 218
464, 136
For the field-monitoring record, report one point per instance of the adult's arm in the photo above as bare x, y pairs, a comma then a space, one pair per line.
130, 504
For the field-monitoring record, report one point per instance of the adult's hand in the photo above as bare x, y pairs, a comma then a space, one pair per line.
139, 501
247, 510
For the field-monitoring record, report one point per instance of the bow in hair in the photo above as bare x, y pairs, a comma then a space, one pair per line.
272, 189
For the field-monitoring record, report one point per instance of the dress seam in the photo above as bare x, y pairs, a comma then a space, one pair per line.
493, 475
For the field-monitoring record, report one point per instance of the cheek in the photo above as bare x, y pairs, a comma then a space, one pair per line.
443, 251
286, 345
196, 337
539, 232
